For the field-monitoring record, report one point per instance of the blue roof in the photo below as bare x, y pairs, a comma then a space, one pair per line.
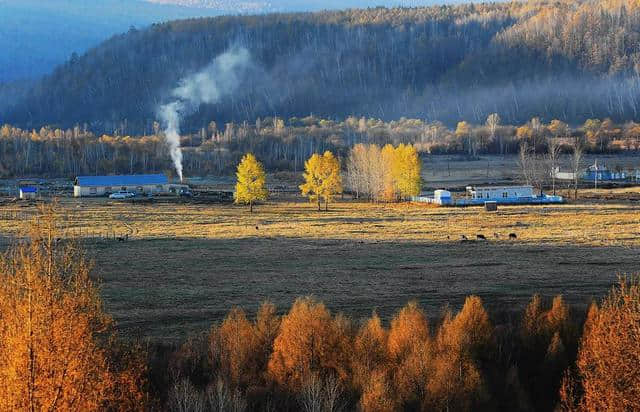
28, 189
122, 180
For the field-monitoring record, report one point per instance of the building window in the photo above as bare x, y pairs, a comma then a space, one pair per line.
123, 188
159, 188
93, 191
108, 189
505, 194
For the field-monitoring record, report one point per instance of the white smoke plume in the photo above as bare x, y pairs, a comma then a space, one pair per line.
220, 78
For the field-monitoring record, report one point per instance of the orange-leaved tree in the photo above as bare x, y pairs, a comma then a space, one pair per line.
310, 344
409, 350
608, 362
55, 338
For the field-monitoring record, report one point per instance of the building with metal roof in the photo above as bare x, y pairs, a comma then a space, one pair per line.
104, 185
28, 192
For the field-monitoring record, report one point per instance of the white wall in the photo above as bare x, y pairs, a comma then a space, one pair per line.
502, 192
86, 191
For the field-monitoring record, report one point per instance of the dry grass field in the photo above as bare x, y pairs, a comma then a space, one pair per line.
185, 265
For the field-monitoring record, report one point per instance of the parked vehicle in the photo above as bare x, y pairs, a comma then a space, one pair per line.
121, 195
185, 193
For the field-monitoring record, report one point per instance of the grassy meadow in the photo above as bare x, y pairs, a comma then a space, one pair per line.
185, 265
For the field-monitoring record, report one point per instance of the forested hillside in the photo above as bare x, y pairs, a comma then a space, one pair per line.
565, 60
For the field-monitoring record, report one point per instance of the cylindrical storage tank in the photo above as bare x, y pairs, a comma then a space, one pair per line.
442, 197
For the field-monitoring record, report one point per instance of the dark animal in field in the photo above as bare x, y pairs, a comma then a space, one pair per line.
123, 238
481, 237
256, 227
496, 235
463, 237
512, 236
448, 237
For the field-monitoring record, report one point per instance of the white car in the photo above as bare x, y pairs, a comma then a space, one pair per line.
121, 195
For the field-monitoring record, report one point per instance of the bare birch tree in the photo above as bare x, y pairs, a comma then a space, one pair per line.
553, 158
576, 164
493, 121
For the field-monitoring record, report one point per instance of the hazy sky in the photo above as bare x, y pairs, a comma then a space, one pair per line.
297, 5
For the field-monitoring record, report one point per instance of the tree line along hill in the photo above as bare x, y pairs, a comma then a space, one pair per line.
570, 60
284, 145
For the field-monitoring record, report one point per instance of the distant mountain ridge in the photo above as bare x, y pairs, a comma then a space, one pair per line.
445, 63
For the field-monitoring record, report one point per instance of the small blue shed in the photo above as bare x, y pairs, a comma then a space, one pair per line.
28, 192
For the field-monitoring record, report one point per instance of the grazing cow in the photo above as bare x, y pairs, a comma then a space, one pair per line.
480, 237
463, 237
256, 227
512, 236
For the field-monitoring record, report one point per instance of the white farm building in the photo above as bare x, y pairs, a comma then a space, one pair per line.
500, 192
479, 195
104, 185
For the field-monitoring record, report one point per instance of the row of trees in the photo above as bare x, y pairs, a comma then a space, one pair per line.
286, 145
322, 180
539, 169
388, 174
59, 351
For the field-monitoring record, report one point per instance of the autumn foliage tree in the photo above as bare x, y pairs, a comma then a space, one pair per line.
310, 344
548, 341
251, 181
386, 174
234, 345
322, 178
55, 339
461, 343
406, 171
608, 364
409, 350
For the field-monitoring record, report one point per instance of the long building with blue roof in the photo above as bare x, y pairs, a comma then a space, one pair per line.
104, 185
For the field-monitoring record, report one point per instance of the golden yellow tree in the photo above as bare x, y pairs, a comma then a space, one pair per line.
406, 171
322, 178
251, 181
54, 335
389, 163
